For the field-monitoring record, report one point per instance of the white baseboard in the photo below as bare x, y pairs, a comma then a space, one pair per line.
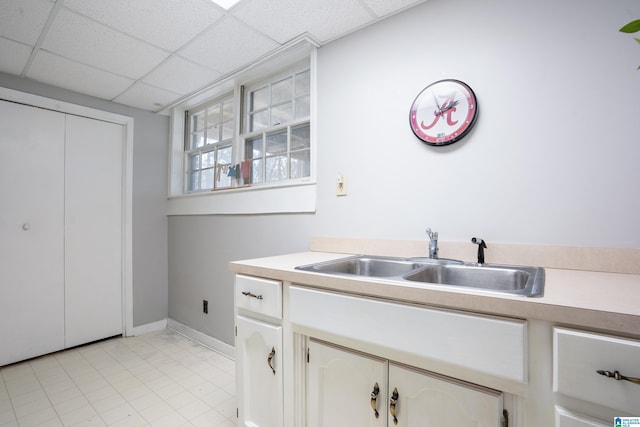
150, 327
202, 338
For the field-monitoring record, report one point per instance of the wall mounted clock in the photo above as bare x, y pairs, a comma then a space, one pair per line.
444, 112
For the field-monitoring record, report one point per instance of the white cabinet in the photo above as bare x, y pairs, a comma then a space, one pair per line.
259, 351
566, 418
347, 388
61, 251
578, 357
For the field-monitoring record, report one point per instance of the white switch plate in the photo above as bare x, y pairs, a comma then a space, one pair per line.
341, 186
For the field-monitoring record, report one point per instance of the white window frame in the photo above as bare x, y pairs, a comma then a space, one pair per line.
285, 196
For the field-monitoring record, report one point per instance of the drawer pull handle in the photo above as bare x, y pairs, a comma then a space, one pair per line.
619, 377
252, 295
392, 404
374, 399
270, 359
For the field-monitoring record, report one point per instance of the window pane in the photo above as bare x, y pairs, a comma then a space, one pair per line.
259, 121
227, 131
301, 164
282, 114
197, 122
303, 108
282, 91
197, 139
213, 135
302, 83
276, 168
224, 155
227, 110
276, 143
208, 159
259, 99
206, 182
194, 162
253, 148
300, 137
213, 115
256, 171
193, 181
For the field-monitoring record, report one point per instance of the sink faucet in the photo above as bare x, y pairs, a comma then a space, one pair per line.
433, 243
481, 247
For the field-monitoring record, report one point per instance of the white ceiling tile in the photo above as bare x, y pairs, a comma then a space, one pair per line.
227, 46
88, 42
181, 76
61, 72
146, 97
386, 7
23, 20
285, 19
168, 24
13, 56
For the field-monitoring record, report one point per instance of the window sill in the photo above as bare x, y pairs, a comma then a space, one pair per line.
293, 198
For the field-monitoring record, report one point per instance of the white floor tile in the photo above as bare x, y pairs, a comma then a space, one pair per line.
154, 380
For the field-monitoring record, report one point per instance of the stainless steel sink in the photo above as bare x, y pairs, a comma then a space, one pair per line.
514, 280
527, 281
366, 266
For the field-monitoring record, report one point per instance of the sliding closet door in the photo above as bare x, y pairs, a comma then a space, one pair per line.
31, 232
93, 230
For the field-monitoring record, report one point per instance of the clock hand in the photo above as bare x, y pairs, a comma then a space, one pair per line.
435, 99
449, 107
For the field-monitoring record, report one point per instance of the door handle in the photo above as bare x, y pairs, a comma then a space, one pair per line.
251, 295
619, 377
392, 404
374, 399
270, 357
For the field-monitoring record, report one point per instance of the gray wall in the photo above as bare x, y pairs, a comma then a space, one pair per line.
151, 134
552, 159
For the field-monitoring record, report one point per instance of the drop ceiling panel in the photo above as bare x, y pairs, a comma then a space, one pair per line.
62, 72
146, 97
228, 45
168, 24
23, 20
286, 19
178, 75
82, 40
385, 7
14, 56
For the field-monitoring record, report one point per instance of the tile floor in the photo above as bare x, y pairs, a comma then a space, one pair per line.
157, 379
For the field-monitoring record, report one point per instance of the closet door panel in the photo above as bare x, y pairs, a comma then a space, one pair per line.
93, 230
31, 232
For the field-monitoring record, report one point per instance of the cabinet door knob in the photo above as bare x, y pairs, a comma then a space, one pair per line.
270, 359
374, 399
619, 377
26, 226
251, 295
392, 404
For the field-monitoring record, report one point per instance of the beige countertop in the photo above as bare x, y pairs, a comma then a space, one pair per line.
594, 300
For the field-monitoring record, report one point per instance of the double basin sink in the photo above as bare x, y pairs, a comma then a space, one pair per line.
494, 278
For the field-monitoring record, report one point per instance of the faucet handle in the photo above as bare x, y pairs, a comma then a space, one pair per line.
433, 235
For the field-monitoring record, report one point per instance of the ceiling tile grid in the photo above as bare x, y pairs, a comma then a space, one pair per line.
149, 54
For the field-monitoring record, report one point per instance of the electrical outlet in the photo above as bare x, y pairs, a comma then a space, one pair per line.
341, 185
205, 306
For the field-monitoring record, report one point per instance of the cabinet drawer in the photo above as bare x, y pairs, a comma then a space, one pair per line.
577, 356
565, 418
258, 295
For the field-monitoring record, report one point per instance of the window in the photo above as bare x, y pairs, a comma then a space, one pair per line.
244, 145
209, 146
277, 143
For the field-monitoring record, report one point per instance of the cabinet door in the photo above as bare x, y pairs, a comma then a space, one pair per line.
344, 387
259, 367
565, 418
31, 232
425, 400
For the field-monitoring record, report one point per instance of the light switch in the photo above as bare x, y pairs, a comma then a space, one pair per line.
341, 186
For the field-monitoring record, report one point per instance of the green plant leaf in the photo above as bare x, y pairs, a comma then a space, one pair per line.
637, 39
631, 27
